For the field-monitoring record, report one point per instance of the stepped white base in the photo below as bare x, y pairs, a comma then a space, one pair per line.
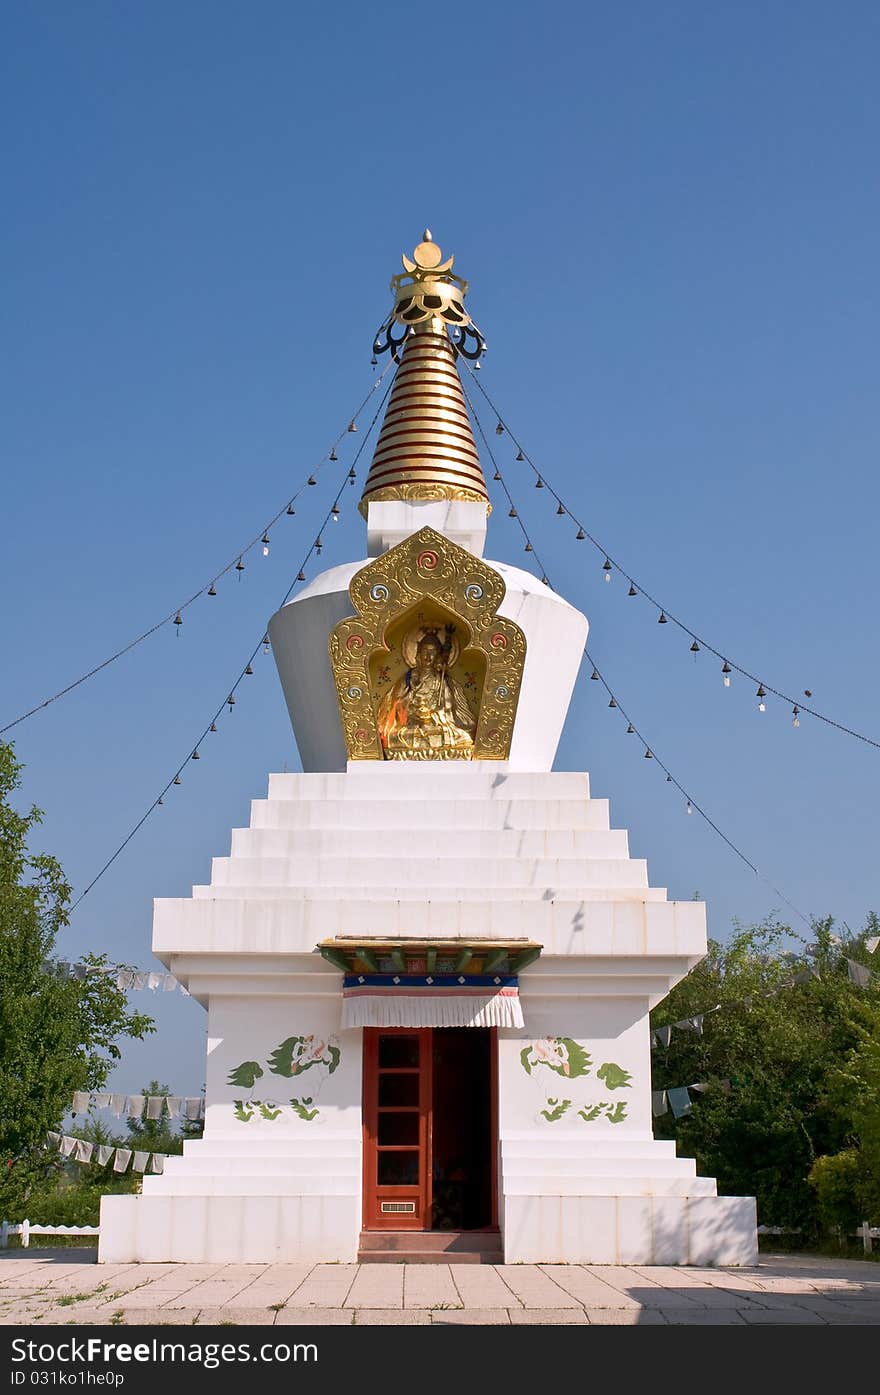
229, 1229
706, 1230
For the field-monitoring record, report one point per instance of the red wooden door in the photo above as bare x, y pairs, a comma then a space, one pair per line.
397, 1128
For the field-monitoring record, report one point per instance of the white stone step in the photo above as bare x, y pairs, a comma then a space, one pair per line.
423, 816
289, 1150
505, 895
553, 1168
408, 780
231, 1184
420, 873
238, 1167
372, 842
572, 1144
539, 1186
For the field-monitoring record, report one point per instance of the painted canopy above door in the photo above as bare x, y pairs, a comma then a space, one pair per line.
424, 983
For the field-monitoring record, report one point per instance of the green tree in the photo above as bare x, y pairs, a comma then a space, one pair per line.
57, 1034
786, 1025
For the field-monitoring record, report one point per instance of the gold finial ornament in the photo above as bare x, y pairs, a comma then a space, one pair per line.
426, 448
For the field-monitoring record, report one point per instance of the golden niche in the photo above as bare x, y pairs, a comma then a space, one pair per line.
427, 669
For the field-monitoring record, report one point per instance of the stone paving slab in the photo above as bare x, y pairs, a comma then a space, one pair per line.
471, 1317
534, 1288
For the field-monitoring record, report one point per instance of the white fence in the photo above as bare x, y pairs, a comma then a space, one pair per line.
27, 1228
866, 1233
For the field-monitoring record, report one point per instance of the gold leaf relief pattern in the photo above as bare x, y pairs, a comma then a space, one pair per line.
428, 569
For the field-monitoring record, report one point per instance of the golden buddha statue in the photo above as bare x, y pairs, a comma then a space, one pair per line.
426, 715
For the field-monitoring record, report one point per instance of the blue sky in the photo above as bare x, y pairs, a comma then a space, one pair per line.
669, 218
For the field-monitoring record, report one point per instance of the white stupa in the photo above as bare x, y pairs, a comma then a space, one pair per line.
428, 962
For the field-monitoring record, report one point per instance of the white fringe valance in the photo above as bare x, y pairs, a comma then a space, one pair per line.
399, 1010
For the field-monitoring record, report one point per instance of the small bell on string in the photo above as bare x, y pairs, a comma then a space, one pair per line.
579, 535
352, 426
795, 716
318, 545
334, 513
632, 590
352, 475
690, 807
160, 800
761, 694
265, 644
311, 479
630, 729
249, 671
560, 511
497, 475
212, 589
511, 512
546, 580
499, 429
661, 620
231, 701
606, 567
613, 702
539, 483
331, 456
373, 361
177, 623
648, 754
177, 780
239, 566
301, 576
195, 755
594, 676
695, 648
213, 726
290, 509
519, 455
726, 671
528, 547
265, 541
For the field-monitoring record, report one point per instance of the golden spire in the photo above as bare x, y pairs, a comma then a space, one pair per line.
426, 447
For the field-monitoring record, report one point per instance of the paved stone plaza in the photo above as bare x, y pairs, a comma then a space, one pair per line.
62, 1286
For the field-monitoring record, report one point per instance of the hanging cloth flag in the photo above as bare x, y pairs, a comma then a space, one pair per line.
859, 974
871, 945
122, 1159
117, 1105
103, 1154
153, 980
169, 983
53, 1140
433, 1000
173, 1102
154, 1106
664, 1035
134, 1106
679, 1101
83, 1151
193, 1108
140, 1162
102, 1100
157, 1162
81, 1101
67, 1146
659, 1103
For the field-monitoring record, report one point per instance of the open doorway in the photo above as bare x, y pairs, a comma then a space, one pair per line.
429, 1129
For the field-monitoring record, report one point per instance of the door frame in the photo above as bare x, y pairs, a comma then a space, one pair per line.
371, 1217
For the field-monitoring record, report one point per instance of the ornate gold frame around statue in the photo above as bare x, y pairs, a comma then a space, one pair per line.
426, 669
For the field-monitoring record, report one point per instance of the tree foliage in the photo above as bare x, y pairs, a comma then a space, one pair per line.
799, 1044
57, 1034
